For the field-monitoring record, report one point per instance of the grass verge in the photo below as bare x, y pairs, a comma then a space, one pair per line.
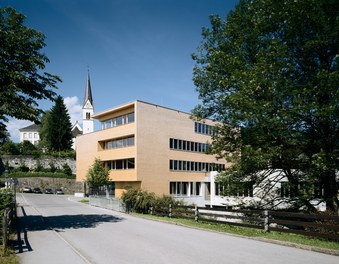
288, 239
9, 257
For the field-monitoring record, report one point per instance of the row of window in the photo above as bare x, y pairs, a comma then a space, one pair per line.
188, 145
183, 165
123, 164
118, 121
119, 143
240, 189
185, 188
203, 129
31, 135
316, 190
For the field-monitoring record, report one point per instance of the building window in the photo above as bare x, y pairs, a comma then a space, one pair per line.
118, 121
185, 188
237, 189
202, 128
183, 165
25, 135
122, 164
219, 189
186, 145
118, 143
316, 189
195, 188
179, 188
88, 115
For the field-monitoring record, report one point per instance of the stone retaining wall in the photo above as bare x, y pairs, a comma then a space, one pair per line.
32, 162
67, 185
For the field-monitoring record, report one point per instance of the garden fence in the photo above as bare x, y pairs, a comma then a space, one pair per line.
315, 225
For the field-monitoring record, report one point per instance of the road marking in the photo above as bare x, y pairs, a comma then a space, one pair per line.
73, 248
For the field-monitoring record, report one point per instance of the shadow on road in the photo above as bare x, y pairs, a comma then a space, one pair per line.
59, 222
27, 223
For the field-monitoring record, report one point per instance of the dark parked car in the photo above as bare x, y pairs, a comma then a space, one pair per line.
48, 191
37, 190
59, 191
27, 189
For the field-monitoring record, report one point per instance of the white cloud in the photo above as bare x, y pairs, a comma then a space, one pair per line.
74, 109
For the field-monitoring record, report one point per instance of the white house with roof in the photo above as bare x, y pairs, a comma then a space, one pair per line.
30, 133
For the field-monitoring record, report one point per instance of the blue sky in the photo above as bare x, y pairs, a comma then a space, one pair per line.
135, 49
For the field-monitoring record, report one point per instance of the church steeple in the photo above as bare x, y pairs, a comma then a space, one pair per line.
88, 91
87, 108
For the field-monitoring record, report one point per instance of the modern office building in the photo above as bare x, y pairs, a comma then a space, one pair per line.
151, 147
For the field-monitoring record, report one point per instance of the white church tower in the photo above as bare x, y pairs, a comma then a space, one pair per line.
87, 109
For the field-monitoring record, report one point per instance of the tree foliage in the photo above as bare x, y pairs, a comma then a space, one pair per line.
97, 175
269, 74
56, 129
22, 79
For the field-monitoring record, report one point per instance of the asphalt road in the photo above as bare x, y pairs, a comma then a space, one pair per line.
55, 229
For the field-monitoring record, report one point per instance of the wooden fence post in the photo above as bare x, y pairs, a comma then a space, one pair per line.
196, 217
170, 211
4, 231
266, 223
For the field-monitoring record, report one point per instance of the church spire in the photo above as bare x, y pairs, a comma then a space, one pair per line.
88, 91
87, 109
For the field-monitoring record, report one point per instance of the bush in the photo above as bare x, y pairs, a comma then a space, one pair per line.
63, 154
9, 148
140, 201
165, 200
39, 167
137, 200
67, 169
23, 167
6, 198
52, 166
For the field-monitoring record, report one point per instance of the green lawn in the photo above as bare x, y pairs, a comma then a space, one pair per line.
289, 239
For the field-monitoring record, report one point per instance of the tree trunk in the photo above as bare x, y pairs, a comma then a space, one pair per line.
331, 192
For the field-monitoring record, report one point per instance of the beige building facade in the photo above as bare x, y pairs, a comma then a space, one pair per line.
151, 147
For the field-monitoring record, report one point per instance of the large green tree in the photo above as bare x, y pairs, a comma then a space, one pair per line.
22, 79
97, 176
56, 128
269, 74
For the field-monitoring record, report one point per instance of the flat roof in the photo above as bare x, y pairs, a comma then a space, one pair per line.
127, 105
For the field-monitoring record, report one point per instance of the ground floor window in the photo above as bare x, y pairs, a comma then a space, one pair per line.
316, 189
185, 188
239, 189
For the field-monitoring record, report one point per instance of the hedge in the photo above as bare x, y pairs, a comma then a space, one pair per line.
21, 174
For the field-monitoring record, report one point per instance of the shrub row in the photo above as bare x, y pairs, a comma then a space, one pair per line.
140, 201
21, 174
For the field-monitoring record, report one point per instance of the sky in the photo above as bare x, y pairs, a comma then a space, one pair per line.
133, 49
